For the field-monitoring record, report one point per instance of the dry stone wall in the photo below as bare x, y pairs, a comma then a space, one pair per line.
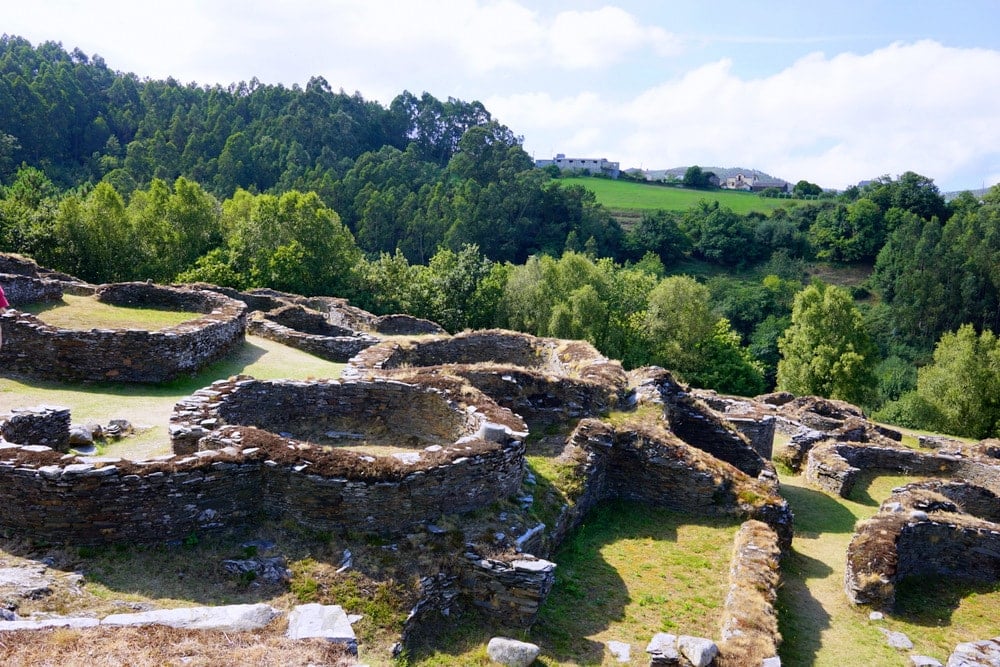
36, 349
835, 466
695, 423
43, 425
749, 619
920, 531
544, 380
310, 332
83, 500
22, 290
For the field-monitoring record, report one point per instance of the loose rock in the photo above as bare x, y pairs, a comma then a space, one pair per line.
511, 652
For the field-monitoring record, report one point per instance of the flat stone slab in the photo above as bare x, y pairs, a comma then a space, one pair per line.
25, 582
63, 622
230, 618
622, 651
976, 654
662, 649
328, 622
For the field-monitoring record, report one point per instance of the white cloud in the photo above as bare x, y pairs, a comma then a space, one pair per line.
584, 40
832, 120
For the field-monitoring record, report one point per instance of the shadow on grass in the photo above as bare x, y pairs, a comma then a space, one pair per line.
591, 594
233, 364
816, 512
801, 617
930, 601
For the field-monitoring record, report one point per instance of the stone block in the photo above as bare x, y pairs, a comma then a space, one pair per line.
328, 622
230, 618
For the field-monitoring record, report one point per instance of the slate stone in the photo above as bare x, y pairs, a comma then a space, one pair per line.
230, 618
700, 651
662, 650
328, 622
984, 653
897, 640
62, 622
622, 651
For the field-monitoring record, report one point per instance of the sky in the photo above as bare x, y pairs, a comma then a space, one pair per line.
832, 93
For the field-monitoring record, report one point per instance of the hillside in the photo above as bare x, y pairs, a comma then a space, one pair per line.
625, 195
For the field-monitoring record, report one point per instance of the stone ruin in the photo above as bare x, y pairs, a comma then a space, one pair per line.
946, 526
36, 349
935, 527
309, 451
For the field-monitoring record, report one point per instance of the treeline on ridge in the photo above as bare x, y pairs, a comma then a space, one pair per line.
433, 208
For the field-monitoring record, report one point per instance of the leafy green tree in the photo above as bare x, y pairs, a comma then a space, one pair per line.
804, 188
962, 386
827, 351
849, 233
678, 319
293, 242
657, 232
725, 237
726, 365
695, 177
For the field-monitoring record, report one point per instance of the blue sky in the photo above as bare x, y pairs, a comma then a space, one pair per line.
833, 94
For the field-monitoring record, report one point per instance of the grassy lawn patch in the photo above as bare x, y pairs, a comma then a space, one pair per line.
86, 312
629, 572
820, 627
148, 407
628, 195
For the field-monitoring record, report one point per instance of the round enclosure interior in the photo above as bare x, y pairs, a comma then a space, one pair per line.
381, 414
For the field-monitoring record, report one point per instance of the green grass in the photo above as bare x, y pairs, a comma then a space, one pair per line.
148, 407
628, 572
819, 625
85, 312
628, 195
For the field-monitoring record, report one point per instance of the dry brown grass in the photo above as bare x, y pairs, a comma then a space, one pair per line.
156, 646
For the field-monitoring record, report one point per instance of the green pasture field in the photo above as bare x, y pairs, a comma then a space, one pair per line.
626, 195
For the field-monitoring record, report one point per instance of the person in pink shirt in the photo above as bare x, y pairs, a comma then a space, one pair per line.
3, 306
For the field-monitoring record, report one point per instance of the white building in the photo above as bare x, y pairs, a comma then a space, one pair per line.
593, 165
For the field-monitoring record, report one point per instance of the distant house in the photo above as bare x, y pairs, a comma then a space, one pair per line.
593, 165
753, 183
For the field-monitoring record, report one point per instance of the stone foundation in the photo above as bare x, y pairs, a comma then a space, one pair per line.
310, 332
82, 500
835, 467
749, 620
36, 349
22, 290
544, 380
43, 425
921, 531
694, 422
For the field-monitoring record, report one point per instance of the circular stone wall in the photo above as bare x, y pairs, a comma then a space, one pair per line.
36, 349
542, 379
390, 414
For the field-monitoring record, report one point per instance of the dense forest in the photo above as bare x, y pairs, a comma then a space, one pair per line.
433, 208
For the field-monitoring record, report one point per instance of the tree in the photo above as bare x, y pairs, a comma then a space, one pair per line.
827, 351
804, 188
726, 365
962, 386
694, 177
657, 232
679, 318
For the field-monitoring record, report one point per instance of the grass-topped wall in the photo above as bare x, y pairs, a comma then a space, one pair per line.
462, 461
36, 349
